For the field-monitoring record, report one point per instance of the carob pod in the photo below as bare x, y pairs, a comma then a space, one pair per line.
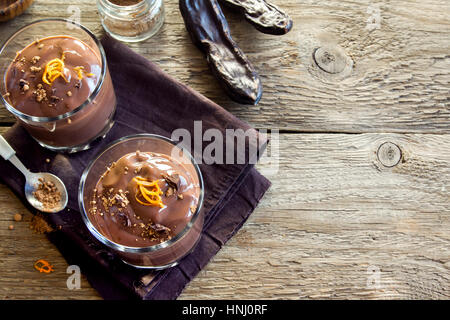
209, 31
265, 16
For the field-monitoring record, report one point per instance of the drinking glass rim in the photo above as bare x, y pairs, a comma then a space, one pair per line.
129, 249
89, 99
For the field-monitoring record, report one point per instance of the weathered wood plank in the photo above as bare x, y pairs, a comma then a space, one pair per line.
399, 82
334, 214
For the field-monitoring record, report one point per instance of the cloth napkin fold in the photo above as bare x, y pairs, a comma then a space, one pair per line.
148, 101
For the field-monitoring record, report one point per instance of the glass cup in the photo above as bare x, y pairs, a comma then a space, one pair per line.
165, 254
77, 129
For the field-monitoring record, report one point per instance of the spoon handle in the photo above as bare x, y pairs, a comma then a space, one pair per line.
6, 151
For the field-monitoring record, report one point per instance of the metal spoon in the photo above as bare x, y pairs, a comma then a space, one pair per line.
32, 179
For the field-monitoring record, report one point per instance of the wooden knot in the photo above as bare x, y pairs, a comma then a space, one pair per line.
332, 59
389, 154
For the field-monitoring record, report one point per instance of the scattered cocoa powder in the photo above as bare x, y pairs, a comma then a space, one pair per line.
39, 225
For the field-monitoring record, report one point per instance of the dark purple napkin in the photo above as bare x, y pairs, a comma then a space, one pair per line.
148, 101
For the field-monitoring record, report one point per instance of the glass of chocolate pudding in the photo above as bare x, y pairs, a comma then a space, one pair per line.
142, 197
56, 82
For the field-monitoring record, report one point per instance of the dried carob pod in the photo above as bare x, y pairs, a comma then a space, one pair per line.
265, 16
209, 31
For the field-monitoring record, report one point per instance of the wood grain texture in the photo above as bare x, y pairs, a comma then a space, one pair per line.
333, 214
399, 81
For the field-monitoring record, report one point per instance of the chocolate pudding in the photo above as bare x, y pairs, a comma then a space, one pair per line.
144, 199
54, 76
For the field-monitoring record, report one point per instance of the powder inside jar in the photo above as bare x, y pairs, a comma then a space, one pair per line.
125, 2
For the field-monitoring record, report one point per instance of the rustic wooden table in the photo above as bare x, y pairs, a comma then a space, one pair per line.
344, 217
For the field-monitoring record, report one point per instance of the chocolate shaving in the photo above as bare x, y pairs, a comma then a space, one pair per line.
160, 228
55, 98
172, 180
123, 219
24, 85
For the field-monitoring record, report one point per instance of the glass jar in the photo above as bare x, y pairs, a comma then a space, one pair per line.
131, 21
77, 129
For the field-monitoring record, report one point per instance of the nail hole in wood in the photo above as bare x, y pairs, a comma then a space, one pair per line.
389, 154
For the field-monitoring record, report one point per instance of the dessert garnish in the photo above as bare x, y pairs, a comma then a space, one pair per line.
47, 194
43, 266
53, 70
150, 191
80, 72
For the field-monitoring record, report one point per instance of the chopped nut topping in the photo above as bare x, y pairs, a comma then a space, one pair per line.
40, 46
35, 59
21, 61
69, 93
40, 93
35, 69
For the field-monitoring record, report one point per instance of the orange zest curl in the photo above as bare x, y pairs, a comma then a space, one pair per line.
43, 266
80, 72
53, 70
149, 191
